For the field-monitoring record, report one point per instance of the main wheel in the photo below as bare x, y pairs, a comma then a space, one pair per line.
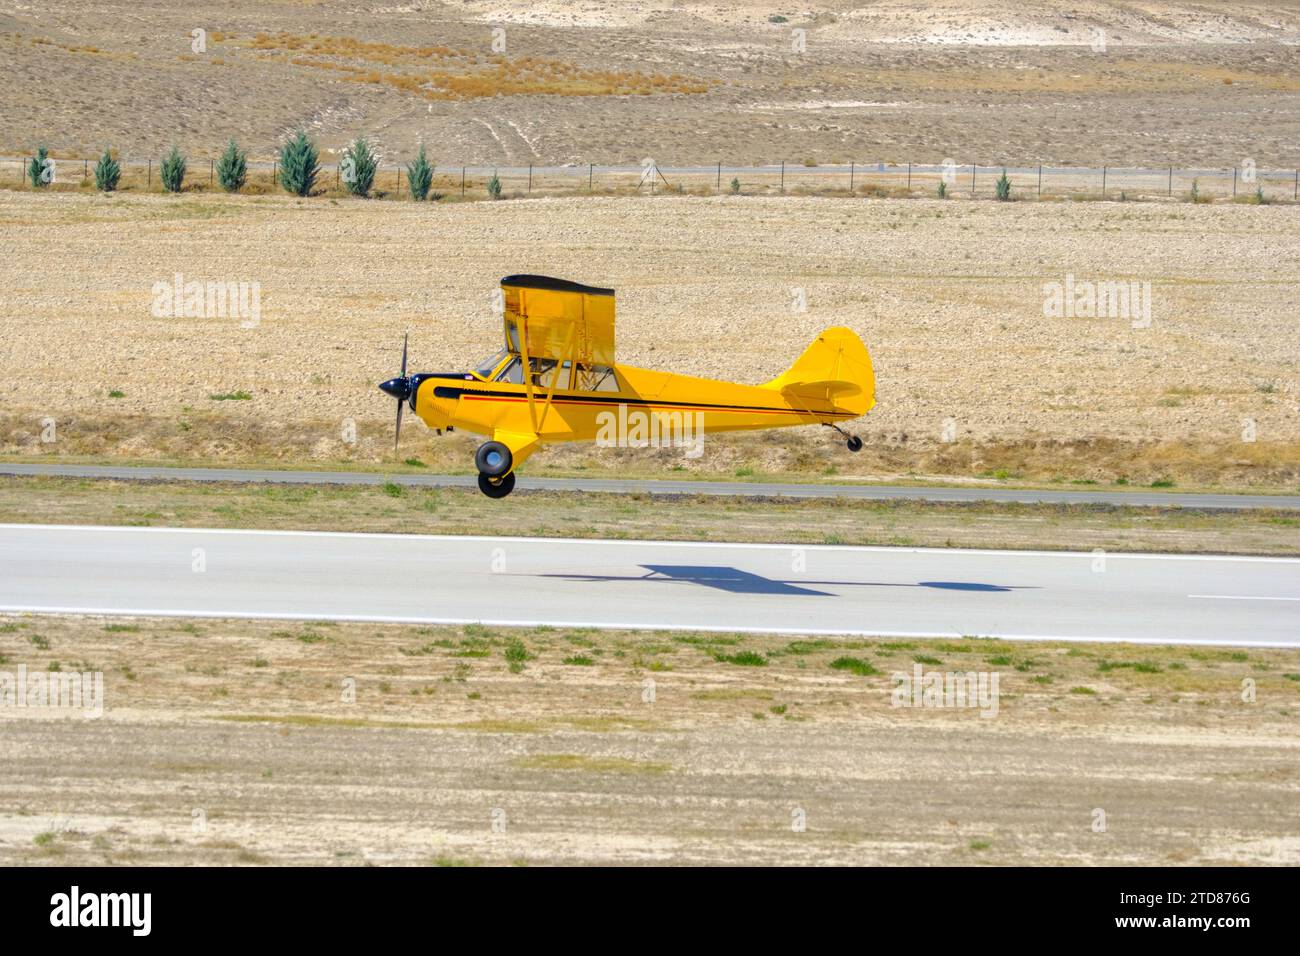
854, 443
496, 487
493, 459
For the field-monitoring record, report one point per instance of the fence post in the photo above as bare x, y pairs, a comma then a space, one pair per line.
853, 166
1103, 182
530, 177
1040, 179
783, 175
909, 177
275, 171
1295, 193
1234, 182
85, 168
1171, 180
338, 172
972, 179
462, 182
212, 166
719, 177
149, 176
399, 178
591, 167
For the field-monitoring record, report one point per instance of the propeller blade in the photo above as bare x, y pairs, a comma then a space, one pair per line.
405, 338
397, 436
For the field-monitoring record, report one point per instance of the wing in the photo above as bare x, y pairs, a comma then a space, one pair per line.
559, 320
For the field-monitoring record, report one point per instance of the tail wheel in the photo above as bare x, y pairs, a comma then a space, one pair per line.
854, 443
493, 459
496, 487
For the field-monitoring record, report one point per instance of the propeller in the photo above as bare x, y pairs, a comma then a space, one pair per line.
400, 389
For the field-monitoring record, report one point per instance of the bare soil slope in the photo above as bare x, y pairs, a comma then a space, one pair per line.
1053, 82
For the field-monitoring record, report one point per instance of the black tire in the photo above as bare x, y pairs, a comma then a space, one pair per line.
854, 443
501, 488
493, 459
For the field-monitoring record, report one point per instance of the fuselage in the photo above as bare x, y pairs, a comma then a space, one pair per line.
630, 395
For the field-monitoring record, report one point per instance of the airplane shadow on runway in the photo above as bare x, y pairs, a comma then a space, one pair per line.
737, 581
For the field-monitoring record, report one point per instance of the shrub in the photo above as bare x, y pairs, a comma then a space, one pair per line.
232, 168
1259, 198
855, 665
419, 176
359, 164
107, 173
172, 171
1195, 194
40, 171
735, 186
299, 164
1003, 187
494, 186
943, 189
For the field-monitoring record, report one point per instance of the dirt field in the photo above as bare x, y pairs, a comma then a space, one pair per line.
949, 297
232, 742
1060, 82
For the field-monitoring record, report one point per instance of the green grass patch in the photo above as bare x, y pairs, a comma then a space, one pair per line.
854, 665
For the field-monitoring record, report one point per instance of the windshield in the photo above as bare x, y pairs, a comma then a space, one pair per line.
486, 367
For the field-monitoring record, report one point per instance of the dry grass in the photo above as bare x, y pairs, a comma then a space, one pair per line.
708, 518
461, 74
387, 744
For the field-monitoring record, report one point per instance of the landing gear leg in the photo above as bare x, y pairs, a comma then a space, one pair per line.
496, 487
853, 443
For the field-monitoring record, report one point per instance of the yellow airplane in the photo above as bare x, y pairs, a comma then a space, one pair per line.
562, 333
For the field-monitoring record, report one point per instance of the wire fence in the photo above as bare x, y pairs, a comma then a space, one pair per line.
886, 179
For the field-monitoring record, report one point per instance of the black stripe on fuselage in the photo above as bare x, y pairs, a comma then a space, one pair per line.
451, 391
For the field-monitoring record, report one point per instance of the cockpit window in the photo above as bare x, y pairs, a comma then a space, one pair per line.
597, 378
488, 365
512, 373
544, 373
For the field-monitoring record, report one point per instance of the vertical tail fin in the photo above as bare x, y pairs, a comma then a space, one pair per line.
835, 369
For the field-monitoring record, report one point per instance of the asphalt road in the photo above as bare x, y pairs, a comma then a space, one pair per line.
1211, 502
1164, 599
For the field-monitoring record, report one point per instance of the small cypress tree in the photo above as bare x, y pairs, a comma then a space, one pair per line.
107, 173
1003, 187
232, 168
40, 171
359, 165
943, 189
419, 176
299, 164
494, 186
172, 171
735, 185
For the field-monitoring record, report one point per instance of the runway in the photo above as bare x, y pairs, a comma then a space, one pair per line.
914, 592
744, 489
